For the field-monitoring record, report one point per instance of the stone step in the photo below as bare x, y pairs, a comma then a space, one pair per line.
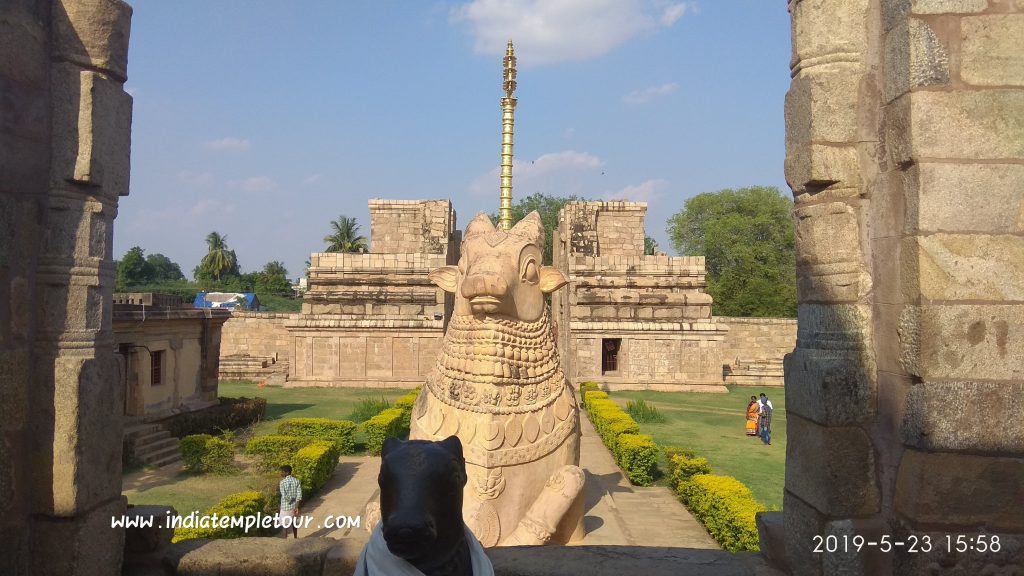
150, 438
158, 455
141, 429
167, 461
156, 446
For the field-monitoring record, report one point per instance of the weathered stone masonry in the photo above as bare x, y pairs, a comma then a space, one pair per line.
905, 145
65, 129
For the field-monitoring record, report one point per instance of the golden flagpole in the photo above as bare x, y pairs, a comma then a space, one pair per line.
508, 108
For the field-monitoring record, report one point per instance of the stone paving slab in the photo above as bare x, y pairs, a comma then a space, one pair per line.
616, 514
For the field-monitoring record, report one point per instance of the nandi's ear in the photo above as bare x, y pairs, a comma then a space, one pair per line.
389, 445
551, 279
453, 445
445, 277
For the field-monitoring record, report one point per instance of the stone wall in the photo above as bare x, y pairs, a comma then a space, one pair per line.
256, 334
754, 348
605, 228
904, 150
65, 127
411, 226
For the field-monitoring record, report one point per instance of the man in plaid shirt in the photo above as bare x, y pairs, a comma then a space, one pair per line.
291, 495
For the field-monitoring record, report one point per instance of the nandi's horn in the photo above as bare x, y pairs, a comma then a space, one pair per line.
531, 228
480, 225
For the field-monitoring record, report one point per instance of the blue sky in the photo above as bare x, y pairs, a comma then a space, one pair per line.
266, 120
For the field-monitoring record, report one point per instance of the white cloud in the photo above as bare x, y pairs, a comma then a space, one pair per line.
313, 179
556, 172
647, 191
254, 184
210, 206
548, 31
196, 180
647, 94
227, 145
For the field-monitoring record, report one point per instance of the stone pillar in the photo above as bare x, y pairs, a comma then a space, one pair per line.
64, 161
904, 149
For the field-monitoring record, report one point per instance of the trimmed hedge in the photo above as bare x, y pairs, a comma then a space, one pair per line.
314, 464
276, 450
726, 508
238, 505
587, 387
387, 424
229, 414
405, 404
637, 454
207, 454
683, 468
341, 432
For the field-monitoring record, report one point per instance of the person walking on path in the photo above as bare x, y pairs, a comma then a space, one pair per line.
291, 496
765, 419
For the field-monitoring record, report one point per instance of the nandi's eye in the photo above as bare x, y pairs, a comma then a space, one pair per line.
530, 273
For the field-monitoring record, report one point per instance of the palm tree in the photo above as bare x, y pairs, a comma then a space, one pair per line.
219, 259
346, 236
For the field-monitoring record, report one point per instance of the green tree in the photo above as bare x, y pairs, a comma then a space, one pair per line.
164, 269
219, 262
746, 237
344, 236
133, 269
547, 207
650, 245
273, 279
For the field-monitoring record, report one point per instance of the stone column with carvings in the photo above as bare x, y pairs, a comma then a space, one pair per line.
64, 161
904, 149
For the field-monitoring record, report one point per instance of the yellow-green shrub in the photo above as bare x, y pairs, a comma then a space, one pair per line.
586, 388
387, 424
314, 464
682, 468
192, 448
276, 450
637, 455
341, 432
726, 508
238, 505
205, 453
405, 404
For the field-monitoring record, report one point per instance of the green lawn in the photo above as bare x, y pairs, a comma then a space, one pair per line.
713, 426
336, 403
188, 492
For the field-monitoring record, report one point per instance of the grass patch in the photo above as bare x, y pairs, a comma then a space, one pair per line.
368, 408
713, 426
644, 413
190, 492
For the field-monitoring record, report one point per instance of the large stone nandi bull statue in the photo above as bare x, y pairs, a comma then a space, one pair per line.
498, 386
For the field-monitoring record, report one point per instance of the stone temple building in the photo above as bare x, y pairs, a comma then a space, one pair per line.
629, 320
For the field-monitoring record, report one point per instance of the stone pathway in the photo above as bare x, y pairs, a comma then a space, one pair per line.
616, 513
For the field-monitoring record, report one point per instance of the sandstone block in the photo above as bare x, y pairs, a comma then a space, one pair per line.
989, 125
74, 545
802, 523
914, 57
948, 6
143, 540
821, 106
969, 267
851, 562
965, 416
93, 33
833, 326
771, 534
992, 52
95, 114
966, 198
830, 387
823, 28
963, 342
831, 468
819, 165
265, 556
23, 51
960, 490
15, 376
